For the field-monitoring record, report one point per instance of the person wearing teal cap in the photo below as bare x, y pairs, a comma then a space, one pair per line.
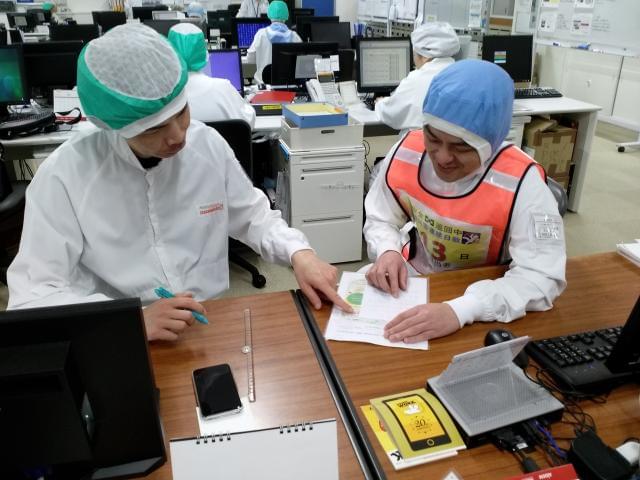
146, 199
260, 50
210, 99
252, 8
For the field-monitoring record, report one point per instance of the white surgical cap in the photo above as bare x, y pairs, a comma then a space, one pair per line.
435, 40
131, 79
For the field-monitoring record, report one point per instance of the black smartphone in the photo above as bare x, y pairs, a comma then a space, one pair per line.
216, 391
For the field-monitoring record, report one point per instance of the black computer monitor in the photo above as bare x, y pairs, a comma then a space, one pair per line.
234, 8
303, 25
514, 53
13, 86
226, 64
77, 392
52, 64
339, 32
86, 32
382, 63
21, 20
625, 356
244, 29
299, 12
145, 13
161, 26
292, 63
40, 15
108, 19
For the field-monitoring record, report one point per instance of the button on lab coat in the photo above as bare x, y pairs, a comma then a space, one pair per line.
97, 225
403, 109
214, 99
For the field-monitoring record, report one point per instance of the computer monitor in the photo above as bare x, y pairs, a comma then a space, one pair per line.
226, 64
303, 25
86, 32
244, 29
514, 53
39, 15
339, 32
234, 8
52, 64
292, 63
107, 19
77, 393
21, 20
161, 26
146, 12
382, 63
625, 356
13, 86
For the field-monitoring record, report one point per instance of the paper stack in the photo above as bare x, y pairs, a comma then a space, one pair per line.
630, 251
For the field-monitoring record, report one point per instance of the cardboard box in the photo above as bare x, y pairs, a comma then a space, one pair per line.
551, 145
310, 115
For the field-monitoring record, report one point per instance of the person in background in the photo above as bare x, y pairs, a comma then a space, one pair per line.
433, 46
252, 8
474, 199
210, 99
146, 199
195, 10
260, 50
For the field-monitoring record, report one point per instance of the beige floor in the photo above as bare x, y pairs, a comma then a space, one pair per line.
609, 212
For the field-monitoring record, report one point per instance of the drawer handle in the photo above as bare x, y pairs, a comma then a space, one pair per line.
327, 131
325, 169
327, 219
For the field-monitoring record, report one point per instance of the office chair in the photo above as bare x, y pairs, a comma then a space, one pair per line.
237, 133
559, 194
266, 74
12, 201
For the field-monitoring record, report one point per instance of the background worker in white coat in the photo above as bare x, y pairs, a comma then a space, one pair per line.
252, 8
475, 200
434, 45
147, 199
260, 50
210, 99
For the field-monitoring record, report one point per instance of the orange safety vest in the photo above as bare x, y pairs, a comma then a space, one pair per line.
463, 231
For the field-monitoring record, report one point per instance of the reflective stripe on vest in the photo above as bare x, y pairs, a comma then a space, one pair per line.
463, 231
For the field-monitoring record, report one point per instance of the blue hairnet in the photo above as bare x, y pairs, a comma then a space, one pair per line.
475, 95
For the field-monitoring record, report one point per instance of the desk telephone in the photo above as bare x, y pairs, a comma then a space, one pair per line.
325, 89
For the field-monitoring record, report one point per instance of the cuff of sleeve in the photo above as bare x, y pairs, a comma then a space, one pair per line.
386, 246
467, 308
296, 246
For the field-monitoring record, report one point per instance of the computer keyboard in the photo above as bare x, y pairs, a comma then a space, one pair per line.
536, 92
578, 361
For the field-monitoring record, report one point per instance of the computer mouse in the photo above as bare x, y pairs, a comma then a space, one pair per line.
499, 335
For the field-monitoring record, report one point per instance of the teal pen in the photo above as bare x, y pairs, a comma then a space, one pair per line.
164, 293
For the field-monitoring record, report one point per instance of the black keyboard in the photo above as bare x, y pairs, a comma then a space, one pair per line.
578, 361
536, 92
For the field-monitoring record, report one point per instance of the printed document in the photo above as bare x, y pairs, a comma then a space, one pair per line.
373, 309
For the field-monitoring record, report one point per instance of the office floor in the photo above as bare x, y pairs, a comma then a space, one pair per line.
609, 211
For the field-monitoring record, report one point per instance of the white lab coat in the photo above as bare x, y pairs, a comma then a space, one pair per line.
536, 274
253, 8
260, 51
403, 109
214, 99
99, 226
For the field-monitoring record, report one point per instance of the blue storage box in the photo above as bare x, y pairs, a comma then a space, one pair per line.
310, 115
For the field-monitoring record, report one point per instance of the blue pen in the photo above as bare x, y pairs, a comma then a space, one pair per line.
164, 293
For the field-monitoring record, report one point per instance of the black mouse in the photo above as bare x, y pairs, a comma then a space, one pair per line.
500, 335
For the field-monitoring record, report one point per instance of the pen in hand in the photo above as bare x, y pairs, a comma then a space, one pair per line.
164, 293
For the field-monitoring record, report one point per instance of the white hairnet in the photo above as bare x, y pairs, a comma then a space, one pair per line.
435, 40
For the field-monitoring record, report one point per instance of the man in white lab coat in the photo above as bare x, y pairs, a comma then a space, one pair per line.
260, 50
434, 45
252, 8
147, 199
474, 199
210, 99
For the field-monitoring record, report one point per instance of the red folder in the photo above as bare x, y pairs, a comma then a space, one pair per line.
273, 96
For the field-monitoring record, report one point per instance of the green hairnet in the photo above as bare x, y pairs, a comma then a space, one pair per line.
48, 6
189, 42
278, 11
131, 79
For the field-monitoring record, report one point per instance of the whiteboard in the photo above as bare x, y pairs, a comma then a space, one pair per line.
608, 25
379, 9
455, 12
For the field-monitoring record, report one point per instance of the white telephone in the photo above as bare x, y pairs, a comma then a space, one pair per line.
324, 89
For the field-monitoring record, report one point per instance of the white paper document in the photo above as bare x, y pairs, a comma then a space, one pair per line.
373, 309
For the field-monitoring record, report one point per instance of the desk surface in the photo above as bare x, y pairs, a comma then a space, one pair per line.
602, 290
289, 384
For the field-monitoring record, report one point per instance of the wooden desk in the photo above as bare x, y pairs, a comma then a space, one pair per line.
602, 290
289, 384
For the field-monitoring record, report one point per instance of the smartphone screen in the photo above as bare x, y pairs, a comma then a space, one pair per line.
420, 425
216, 391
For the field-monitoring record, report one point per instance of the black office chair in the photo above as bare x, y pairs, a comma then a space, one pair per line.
237, 133
559, 194
266, 74
12, 200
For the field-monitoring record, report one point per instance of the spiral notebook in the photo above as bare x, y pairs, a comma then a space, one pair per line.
306, 450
